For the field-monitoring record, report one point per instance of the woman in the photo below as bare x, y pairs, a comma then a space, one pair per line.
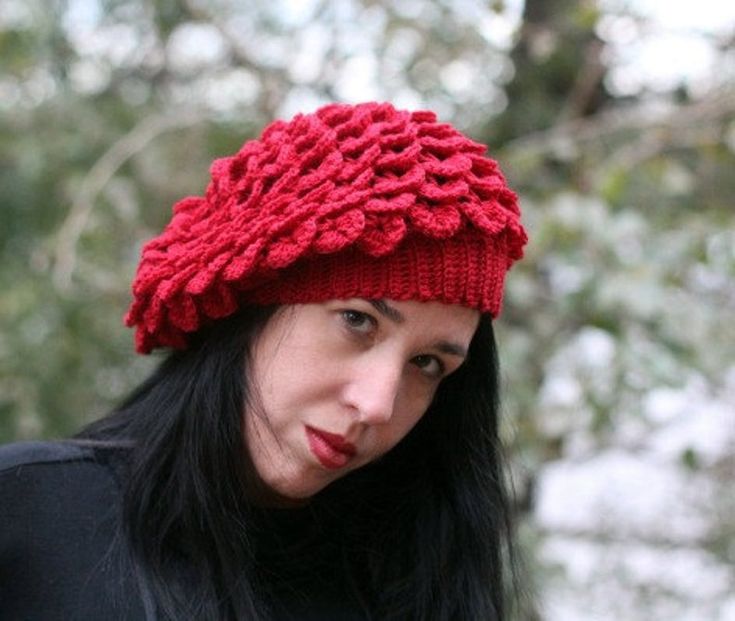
321, 443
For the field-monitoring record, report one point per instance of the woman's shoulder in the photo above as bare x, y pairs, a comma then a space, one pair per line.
59, 518
56, 478
31, 453
60, 460
26, 457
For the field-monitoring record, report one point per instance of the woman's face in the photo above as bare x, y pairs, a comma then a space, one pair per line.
338, 384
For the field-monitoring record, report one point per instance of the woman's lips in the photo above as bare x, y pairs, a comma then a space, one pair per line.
332, 450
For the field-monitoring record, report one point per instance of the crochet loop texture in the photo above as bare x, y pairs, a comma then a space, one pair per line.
346, 181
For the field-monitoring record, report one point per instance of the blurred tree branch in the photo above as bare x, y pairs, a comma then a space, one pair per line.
97, 178
274, 80
587, 85
718, 106
608, 537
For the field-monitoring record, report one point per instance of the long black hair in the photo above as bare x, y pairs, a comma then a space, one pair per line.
428, 529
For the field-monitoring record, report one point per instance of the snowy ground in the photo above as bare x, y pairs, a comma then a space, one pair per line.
634, 532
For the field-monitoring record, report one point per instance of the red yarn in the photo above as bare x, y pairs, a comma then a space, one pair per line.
350, 201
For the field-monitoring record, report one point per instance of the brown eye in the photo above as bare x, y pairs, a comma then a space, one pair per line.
358, 322
431, 366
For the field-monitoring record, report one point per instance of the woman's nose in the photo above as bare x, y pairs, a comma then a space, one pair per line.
373, 390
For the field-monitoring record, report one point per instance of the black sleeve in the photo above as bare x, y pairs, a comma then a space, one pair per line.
60, 547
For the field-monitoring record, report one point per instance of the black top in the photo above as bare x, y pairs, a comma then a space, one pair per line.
62, 553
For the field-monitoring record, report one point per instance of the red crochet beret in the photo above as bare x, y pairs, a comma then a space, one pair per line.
350, 201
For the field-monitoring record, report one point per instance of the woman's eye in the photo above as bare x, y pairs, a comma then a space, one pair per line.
430, 366
358, 321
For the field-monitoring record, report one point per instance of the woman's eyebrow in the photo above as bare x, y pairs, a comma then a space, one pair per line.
453, 349
388, 311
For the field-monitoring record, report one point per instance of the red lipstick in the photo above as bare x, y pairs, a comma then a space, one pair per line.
331, 450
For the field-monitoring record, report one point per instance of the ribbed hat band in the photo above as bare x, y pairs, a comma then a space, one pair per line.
464, 270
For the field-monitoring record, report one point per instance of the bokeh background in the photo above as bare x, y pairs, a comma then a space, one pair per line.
614, 119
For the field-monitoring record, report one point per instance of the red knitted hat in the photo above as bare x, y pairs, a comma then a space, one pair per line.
350, 201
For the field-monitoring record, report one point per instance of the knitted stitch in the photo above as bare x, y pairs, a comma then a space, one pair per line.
350, 201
